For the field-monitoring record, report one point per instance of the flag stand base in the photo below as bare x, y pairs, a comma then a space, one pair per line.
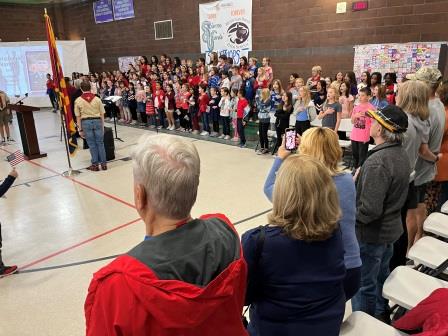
71, 172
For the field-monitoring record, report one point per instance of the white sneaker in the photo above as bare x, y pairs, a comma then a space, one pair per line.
134, 122
205, 133
121, 121
213, 134
159, 127
222, 136
195, 132
227, 137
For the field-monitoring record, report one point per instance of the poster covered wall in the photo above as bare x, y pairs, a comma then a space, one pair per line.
401, 58
123, 62
226, 25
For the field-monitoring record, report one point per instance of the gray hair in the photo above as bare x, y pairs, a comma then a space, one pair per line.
391, 137
169, 169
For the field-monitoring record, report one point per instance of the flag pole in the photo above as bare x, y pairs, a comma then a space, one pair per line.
62, 96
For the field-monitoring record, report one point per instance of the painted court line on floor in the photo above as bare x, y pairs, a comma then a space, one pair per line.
89, 261
77, 182
54, 254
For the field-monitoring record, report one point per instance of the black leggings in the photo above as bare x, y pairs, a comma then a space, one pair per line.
302, 126
280, 132
263, 135
133, 109
359, 151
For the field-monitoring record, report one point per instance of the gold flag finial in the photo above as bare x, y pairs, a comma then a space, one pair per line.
45, 11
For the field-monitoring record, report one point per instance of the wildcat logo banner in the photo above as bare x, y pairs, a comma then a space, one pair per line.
226, 25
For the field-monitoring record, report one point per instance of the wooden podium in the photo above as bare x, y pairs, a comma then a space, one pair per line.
27, 128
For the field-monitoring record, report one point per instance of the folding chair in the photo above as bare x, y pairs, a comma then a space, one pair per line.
407, 287
437, 224
430, 255
445, 207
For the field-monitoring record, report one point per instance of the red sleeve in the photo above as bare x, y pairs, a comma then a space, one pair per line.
255, 84
431, 314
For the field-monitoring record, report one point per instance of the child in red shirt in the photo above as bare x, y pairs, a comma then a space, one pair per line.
184, 118
150, 112
159, 104
204, 110
242, 111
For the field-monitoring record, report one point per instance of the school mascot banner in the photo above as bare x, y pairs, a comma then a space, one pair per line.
226, 25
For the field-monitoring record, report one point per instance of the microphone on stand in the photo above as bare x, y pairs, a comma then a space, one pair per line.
20, 102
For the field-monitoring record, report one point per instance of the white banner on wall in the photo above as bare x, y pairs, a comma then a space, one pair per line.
226, 25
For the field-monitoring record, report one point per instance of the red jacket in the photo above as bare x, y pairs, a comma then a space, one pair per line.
159, 99
431, 315
242, 104
126, 297
203, 103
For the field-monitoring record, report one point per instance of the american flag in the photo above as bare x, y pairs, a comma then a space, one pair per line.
15, 158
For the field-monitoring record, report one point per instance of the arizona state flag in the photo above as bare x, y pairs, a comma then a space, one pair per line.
61, 87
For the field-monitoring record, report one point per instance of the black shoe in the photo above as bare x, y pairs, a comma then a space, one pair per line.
384, 317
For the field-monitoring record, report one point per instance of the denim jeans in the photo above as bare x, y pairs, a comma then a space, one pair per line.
374, 271
205, 122
161, 113
94, 133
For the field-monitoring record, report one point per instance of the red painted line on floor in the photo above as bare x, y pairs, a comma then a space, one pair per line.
54, 254
115, 198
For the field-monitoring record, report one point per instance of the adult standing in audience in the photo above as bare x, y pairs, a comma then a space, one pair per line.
188, 276
322, 144
296, 263
89, 111
413, 99
381, 189
425, 166
441, 179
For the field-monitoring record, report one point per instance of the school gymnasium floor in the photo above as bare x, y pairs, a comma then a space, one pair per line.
60, 230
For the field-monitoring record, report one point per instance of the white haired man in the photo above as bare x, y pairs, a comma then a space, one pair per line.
188, 276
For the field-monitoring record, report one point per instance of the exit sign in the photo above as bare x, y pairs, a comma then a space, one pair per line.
360, 5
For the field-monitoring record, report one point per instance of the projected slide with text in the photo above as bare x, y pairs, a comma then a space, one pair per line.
23, 69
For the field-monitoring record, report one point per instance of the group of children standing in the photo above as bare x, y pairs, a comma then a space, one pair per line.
212, 99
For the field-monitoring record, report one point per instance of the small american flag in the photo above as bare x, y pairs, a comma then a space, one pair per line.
15, 158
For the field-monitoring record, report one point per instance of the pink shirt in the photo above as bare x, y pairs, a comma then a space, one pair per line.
361, 125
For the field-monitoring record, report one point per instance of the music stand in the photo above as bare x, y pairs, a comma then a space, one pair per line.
113, 100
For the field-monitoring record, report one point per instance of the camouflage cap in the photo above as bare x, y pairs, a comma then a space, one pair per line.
426, 74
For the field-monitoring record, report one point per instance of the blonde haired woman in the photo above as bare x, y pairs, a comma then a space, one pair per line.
296, 264
304, 110
413, 99
322, 144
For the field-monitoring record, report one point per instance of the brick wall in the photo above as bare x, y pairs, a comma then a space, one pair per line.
296, 34
19, 22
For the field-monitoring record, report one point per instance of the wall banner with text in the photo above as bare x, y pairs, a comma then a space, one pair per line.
226, 25
102, 11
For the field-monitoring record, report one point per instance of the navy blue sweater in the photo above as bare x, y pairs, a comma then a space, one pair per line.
300, 285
